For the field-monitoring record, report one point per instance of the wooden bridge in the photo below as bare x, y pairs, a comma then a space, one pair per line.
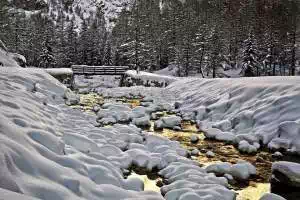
98, 70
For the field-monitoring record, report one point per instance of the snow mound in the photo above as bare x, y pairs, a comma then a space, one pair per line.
265, 108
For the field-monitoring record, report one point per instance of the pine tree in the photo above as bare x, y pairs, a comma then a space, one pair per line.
47, 59
250, 57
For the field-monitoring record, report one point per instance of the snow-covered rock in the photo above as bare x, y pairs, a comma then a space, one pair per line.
245, 147
142, 121
242, 171
170, 122
194, 138
249, 104
271, 196
210, 154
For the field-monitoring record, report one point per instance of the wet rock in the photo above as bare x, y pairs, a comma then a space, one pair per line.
194, 138
285, 180
159, 183
210, 154
195, 152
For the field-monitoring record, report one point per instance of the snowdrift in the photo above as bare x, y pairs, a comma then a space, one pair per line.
7, 59
265, 109
132, 78
51, 151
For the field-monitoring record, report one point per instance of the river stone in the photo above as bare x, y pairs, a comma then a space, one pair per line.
210, 154
285, 180
194, 138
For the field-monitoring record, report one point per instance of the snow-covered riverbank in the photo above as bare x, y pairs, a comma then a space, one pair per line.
51, 151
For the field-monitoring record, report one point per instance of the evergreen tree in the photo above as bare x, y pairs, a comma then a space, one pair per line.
250, 57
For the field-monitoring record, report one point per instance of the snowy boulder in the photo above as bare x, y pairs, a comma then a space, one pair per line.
201, 113
195, 152
277, 155
178, 104
219, 168
245, 147
210, 154
242, 171
226, 137
138, 112
279, 144
71, 98
84, 90
133, 183
157, 115
202, 126
170, 122
271, 196
147, 99
188, 116
158, 125
224, 125
142, 121
286, 173
211, 133
251, 139
194, 138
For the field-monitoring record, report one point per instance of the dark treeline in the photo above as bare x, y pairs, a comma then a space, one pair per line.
205, 37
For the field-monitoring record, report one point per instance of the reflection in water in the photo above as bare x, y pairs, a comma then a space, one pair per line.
149, 185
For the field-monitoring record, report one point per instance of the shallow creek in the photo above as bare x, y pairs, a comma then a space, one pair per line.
251, 190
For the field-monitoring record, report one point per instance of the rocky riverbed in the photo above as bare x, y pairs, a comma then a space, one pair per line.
205, 151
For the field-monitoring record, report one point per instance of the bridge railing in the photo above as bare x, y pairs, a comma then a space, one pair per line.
98, 70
